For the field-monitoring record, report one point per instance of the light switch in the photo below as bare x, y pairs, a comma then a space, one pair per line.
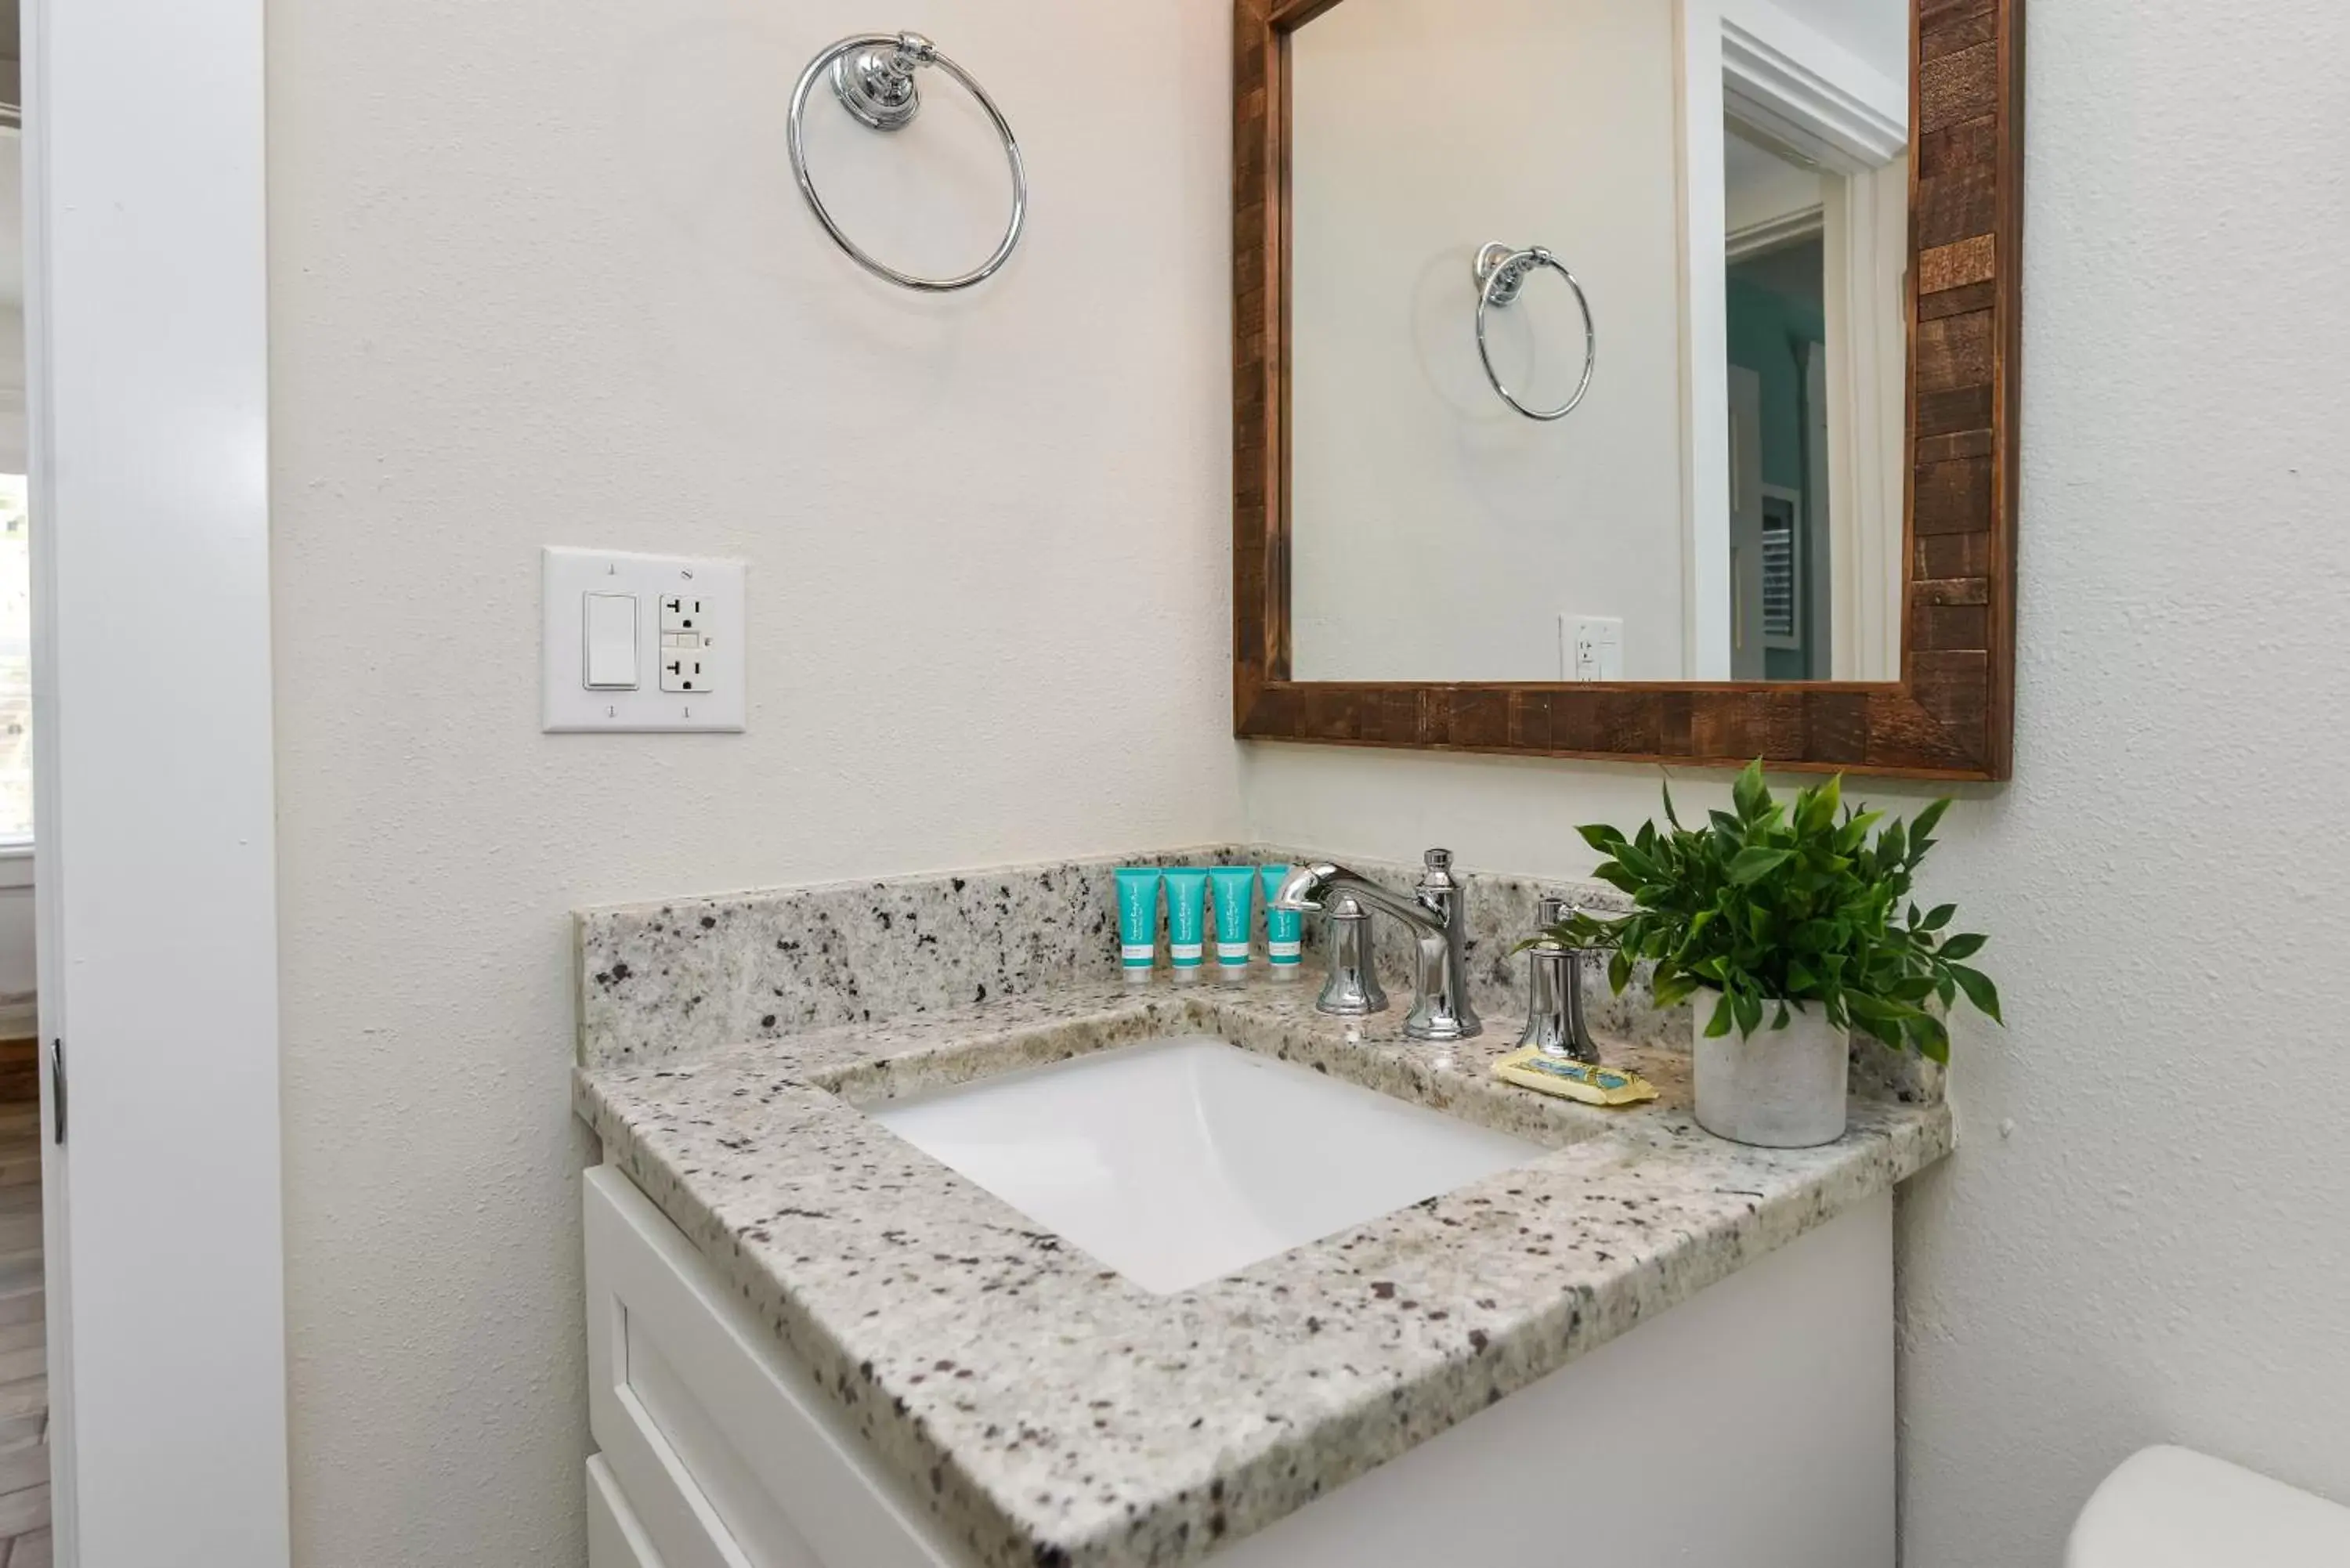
611, 656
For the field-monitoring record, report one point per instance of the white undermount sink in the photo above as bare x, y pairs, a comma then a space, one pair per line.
1180, 1161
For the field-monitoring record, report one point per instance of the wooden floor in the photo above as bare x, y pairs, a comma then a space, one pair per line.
24, 1354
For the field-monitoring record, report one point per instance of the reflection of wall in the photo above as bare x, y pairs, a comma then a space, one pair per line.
1772, 314
1436, 534
2123, 1250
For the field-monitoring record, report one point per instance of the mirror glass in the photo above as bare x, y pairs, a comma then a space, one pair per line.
1727, 187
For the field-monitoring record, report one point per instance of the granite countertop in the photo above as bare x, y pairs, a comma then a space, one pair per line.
1053, 1413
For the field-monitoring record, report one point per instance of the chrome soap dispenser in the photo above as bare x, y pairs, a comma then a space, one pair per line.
1554, 1021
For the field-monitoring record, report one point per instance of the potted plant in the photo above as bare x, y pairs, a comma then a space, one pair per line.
1791, 927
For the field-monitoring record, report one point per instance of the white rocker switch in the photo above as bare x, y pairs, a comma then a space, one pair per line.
611, 653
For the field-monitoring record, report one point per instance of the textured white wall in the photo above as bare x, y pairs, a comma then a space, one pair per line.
2148, 1254
1414, 484
541, 275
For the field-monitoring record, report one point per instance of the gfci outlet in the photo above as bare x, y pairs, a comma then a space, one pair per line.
1590, 648
640, 643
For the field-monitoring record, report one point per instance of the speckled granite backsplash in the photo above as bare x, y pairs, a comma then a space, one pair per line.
689, 975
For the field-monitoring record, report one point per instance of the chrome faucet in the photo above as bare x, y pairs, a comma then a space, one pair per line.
1437, 910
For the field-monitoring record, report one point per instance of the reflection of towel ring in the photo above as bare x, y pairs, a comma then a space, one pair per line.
1501, 273
873, 75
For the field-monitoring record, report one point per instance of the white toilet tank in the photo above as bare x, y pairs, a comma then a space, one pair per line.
2169, 1508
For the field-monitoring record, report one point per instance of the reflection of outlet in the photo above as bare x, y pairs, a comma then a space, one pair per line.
1590, 648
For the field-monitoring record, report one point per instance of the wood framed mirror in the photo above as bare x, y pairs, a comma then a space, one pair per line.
1809, 557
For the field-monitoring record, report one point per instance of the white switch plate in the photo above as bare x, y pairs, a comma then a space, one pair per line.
1591, 648
706, 691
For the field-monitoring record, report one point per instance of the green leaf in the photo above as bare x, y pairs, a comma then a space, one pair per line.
1924, 1034
1940, 917
1619, 971
1602, 837
1963, 946
1755, 863
1817, 807
1921, 831
1980, 991
1720, 1025
1749, 794
1855, 832
1748, 1008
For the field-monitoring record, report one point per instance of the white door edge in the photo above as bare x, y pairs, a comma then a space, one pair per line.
146, 328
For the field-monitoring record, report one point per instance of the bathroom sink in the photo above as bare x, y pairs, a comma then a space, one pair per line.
1180, 1161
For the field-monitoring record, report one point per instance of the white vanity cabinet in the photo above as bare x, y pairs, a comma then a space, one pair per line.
1750, 1425
717, 1451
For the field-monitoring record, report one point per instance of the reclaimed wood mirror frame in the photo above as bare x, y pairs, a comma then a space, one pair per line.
1950, 715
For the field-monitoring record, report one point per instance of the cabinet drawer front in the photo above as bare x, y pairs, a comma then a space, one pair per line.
727, 1451
615, 1537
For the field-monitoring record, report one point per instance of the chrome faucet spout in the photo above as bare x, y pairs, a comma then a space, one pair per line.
1308, 888
1436, 911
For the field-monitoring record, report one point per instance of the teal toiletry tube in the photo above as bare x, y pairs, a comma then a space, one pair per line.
1138, 920
1235, 916
1186, 918
1285, 930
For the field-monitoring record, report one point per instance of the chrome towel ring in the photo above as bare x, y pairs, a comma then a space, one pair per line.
1502, 273
873, 76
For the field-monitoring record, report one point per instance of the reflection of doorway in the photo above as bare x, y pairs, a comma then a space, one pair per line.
1795, 128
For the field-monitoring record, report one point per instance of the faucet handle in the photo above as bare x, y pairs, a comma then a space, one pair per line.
1554, 1019
1438, 859
1437, 876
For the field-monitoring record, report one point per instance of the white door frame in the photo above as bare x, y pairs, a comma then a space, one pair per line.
1750, 59
146, 311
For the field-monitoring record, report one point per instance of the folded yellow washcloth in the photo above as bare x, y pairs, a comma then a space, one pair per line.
1593, 1086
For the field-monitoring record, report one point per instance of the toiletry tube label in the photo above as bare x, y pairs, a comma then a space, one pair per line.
1235, 912
1186, 915
1285, 931
1137, 916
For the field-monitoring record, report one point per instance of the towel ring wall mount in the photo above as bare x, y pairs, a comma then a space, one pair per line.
873, 76
1502, 273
